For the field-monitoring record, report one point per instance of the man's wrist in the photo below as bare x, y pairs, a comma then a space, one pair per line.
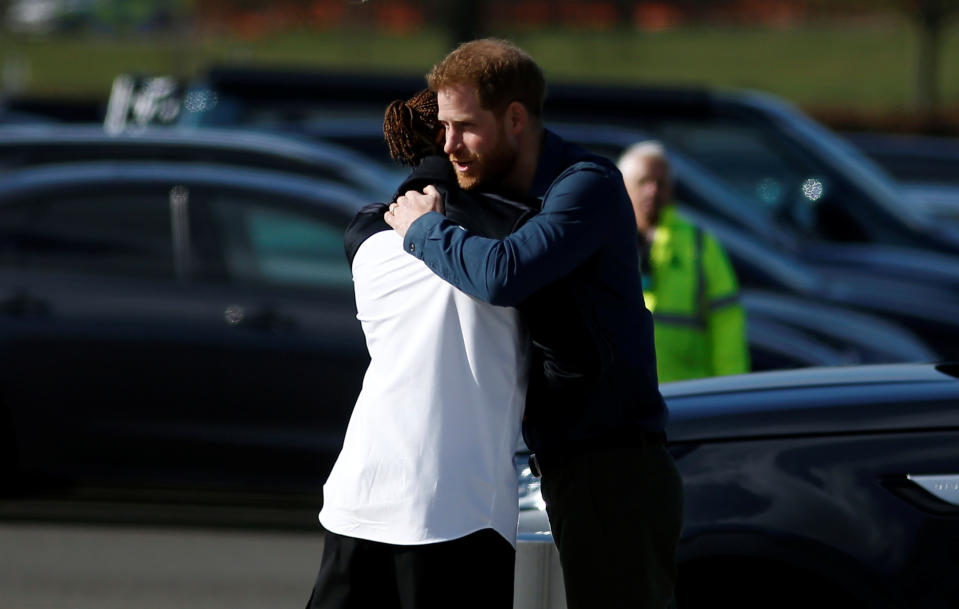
419, 231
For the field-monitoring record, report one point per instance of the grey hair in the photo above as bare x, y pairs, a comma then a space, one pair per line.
648, 149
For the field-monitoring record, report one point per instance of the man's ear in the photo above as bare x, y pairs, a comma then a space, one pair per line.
516, 117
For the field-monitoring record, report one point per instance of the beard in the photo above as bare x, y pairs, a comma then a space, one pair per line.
488, 168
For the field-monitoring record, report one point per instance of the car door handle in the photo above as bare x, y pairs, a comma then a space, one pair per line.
23, 304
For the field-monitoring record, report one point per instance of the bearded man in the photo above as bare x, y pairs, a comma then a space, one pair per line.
594, 417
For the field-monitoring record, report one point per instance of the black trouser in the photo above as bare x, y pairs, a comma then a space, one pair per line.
616, 516
475, 571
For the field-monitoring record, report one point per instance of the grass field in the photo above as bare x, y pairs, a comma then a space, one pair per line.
865, 67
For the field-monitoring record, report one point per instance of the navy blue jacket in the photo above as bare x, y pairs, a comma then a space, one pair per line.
573, 270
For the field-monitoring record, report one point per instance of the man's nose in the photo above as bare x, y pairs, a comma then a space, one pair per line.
452, 142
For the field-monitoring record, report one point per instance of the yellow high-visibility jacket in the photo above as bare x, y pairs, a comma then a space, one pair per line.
692, 292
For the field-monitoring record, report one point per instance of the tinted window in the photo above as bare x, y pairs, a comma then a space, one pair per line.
269, 244
760, 167
110, 233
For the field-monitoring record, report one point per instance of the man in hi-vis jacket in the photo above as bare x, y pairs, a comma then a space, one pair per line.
688, 283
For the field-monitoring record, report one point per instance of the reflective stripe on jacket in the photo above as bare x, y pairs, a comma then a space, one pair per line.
691, 289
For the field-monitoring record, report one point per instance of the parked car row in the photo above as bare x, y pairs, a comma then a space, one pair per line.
176, 312
782, 164
29, 147
177, 280
220, 248
873, 279
788, 179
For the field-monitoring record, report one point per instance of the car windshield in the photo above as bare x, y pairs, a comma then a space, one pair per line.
866, 171
787, 169
749, 160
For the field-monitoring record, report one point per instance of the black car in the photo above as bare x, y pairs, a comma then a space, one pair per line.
168, 324
832, 487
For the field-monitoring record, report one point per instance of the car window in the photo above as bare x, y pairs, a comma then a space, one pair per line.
777, 180
265, 243
104, 233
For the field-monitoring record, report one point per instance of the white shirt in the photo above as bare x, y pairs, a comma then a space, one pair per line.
428, 454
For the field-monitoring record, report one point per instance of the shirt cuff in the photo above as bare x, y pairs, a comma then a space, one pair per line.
418, 232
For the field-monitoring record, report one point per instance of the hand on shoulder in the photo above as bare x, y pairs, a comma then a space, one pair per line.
411, 206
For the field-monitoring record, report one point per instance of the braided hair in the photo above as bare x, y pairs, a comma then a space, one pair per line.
411, 129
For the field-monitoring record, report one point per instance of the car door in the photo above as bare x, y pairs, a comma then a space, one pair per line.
294, 354
103, 340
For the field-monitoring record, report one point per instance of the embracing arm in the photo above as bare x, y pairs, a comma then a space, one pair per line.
576, 216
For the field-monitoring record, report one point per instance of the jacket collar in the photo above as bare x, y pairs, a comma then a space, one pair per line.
550, 164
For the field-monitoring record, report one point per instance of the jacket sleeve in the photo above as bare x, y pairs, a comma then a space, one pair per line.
725, 316
576, 214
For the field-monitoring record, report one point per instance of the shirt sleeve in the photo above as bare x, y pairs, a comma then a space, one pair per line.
576, 213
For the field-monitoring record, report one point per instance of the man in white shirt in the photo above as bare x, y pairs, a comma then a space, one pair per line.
421, 505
